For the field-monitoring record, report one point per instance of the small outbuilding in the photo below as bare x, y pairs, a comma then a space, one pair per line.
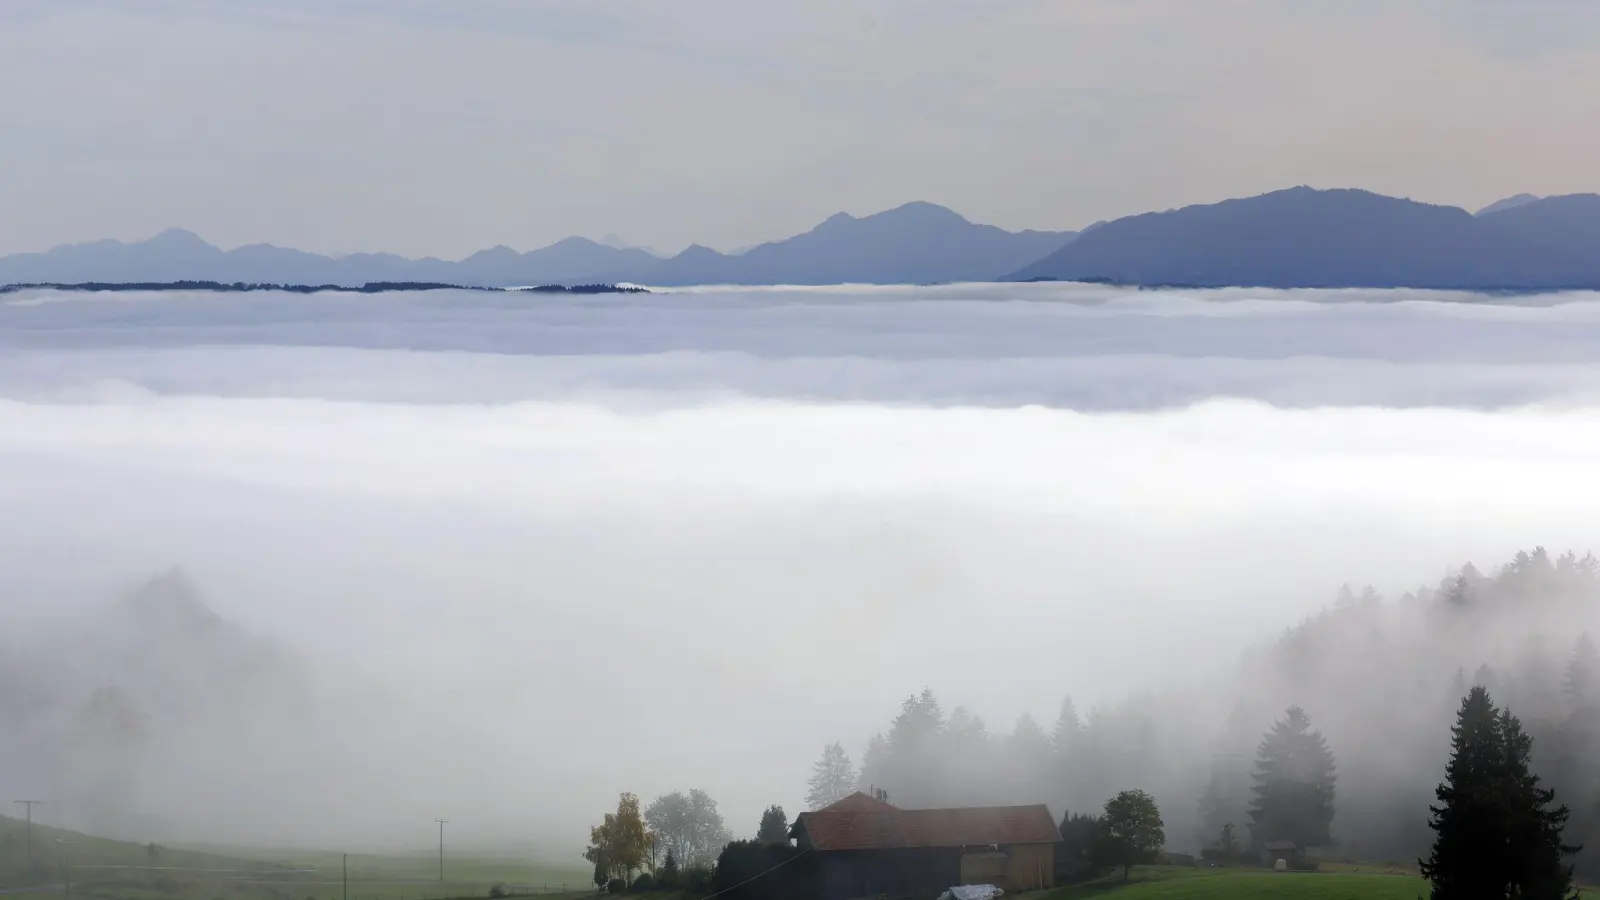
1288, 851
867, 848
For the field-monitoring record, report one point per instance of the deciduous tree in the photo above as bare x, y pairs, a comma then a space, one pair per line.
1130, 832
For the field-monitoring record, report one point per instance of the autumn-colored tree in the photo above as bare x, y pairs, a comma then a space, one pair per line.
620, 843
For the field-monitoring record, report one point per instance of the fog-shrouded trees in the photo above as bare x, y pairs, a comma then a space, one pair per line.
1075, 854
688, 826
874, 764
1292, 794
1382, 676
1130, 832
1496, 833
833, 777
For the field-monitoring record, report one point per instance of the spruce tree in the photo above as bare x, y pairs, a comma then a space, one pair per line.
774, 828
832, 779
1292, 798
1539, 868
1467, 860
1494, 832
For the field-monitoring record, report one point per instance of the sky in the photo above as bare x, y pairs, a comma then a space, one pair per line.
536, 554
438, 129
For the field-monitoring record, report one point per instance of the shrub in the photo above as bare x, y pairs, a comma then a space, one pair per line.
643, 884
499, 890
781, 873
668, 878
616, 886
697, 879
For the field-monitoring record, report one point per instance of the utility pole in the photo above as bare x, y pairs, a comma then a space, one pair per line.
66, 865
346, 876
30, 804
441, 848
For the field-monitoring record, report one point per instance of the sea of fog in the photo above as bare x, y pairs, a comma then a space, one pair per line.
646, 542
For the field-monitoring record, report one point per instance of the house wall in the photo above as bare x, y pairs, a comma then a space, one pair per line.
1032, 867
920, 872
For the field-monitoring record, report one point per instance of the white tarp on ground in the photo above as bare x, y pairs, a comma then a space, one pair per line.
973, 892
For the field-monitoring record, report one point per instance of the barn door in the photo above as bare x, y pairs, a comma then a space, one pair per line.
985, 867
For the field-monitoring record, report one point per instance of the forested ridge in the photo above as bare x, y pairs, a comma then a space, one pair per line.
1378, 681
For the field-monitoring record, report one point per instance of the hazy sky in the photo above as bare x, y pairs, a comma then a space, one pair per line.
441, 128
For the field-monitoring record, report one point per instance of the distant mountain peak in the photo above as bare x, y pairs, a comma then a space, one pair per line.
1511, 202
699, 250
577, 241
922, 209
1302, 237
497, 252
171, 601
177, 237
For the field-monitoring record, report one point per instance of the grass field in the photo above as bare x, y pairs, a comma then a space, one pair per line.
102, 869
1161, 883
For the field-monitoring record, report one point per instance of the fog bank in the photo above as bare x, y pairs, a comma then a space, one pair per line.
646, 548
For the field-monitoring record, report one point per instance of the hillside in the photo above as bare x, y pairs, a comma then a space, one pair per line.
90, 856
1511, 202
1303, 237
153, 669
914, 243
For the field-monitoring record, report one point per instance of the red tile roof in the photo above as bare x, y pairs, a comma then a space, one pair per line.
965, 827
858, 803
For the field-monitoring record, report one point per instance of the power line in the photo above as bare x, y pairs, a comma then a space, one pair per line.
30, 804
762, 875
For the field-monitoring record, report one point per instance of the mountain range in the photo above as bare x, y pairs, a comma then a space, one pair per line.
914, 243
1303, 237
1299, 237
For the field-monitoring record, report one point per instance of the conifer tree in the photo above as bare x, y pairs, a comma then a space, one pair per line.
832, 779
774, 828
1292, 798
1495, 833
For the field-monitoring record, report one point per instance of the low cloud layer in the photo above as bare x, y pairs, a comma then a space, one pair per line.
534, 554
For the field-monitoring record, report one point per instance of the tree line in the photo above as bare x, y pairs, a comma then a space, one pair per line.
1382, 676
1228, 766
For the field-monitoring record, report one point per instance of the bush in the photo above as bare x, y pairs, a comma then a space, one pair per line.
499, 890
697, 879
616, 886
751, 870
643, 884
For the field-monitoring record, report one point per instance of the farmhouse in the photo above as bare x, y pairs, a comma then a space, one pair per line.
867, 848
